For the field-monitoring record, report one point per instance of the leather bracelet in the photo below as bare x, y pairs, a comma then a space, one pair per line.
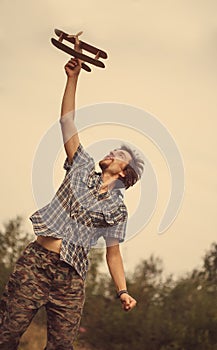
123, 291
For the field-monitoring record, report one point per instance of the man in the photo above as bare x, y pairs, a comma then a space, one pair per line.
52, 270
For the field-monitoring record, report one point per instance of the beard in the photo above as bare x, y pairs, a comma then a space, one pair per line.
106, 164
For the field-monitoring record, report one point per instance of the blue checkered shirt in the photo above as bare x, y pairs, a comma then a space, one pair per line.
79, 215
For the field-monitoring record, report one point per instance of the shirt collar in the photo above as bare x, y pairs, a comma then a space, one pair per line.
94, 179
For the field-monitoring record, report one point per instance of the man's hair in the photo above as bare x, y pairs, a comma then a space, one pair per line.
133, 171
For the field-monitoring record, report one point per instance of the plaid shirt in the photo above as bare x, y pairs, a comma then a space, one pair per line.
79, 215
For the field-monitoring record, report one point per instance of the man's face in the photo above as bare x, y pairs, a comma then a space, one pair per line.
115, 161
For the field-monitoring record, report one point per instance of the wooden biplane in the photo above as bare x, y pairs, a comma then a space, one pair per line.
82, 46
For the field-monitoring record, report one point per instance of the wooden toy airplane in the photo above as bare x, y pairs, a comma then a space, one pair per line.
82, 46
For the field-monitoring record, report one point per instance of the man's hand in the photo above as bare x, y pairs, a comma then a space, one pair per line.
128, 303
73, 67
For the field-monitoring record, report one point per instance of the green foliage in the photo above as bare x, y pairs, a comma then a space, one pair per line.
12, 240
209, 270
170, 314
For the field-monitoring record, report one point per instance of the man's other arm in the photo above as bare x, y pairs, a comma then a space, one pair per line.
116, 269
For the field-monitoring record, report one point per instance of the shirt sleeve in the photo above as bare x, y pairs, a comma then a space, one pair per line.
80, 158
117, 231
116, 220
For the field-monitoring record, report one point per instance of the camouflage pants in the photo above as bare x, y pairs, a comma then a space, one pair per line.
39, 279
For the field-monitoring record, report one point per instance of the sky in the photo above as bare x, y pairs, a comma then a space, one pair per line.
162, 60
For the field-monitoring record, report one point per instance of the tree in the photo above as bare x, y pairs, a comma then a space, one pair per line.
209, 271
108, 326
178, 315
171, 314
12, 240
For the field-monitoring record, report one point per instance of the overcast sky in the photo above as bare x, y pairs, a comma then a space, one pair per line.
162, 59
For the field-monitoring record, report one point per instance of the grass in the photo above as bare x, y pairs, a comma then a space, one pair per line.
35, 338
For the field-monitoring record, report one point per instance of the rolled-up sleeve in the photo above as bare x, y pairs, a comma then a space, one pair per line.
80, 158
116, 220
117, 231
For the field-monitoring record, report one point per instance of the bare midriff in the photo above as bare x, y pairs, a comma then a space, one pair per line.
54, 244
50, 243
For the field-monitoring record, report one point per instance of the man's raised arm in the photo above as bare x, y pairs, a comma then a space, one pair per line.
70, 135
